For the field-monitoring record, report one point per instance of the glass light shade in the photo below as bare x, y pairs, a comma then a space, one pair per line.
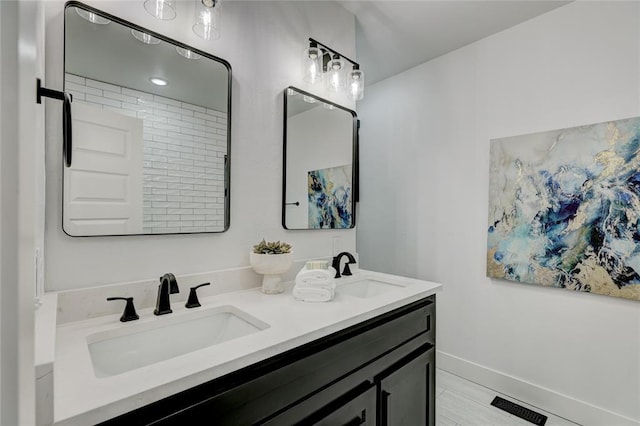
312, 65
334, 78
207, 19
92, 17
356, 84
187, 53
144, 37
161, 9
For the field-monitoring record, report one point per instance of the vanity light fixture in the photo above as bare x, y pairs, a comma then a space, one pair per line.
92, 17
158, 81
320, 62
144, 37
312, 63
356, 83
207, 19
161, 9
335, 78
186, 53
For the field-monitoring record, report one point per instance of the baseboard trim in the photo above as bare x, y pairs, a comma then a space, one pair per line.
538, 396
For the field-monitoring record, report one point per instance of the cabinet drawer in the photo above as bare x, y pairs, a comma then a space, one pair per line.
356, 407
430, 312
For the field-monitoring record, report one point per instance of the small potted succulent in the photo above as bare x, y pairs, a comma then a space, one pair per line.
271, 259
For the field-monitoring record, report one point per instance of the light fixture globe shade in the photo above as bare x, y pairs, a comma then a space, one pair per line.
335, 75
207, 19
92, 17
356, 84
186, 53
312, 65
144, 37
161, 9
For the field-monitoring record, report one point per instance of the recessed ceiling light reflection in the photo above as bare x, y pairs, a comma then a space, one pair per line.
144, 37
309, 99
158, 81
92, 17
186, 53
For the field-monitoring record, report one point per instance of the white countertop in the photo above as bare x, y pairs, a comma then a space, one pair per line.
81, 398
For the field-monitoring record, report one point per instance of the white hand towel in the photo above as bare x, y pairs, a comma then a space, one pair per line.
315, 285
312, 294
315, 276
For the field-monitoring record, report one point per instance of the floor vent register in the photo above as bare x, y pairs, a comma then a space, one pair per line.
519, 410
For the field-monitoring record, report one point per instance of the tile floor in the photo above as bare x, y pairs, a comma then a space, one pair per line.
460, 402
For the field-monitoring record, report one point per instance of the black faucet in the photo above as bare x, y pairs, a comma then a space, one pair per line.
336, 263
168, 285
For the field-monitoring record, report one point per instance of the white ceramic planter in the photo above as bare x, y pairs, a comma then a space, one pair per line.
272, 266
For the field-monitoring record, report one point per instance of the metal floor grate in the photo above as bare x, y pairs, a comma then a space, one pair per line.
519, 410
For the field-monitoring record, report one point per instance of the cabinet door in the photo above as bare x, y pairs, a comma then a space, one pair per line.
406, 390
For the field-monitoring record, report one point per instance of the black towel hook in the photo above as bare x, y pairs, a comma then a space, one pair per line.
66, 98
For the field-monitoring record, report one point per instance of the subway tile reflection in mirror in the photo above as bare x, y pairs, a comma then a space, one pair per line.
151, 133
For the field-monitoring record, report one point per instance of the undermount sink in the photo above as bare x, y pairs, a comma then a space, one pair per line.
137, 345
367, 287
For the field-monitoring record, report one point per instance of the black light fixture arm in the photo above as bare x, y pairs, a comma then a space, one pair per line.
335, 52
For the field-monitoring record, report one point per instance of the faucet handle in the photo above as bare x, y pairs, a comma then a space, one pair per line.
129, 313
347, 270
193, 301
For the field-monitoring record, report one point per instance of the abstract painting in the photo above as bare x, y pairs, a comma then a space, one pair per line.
564, 209
330, 198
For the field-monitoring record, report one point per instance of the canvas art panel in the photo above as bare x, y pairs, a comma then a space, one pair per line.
564, 209
330, 198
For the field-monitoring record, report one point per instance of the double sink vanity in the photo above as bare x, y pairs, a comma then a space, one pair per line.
238, 356
245, 357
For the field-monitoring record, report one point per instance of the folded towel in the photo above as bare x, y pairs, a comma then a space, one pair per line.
312, 294
315, 285
315, 276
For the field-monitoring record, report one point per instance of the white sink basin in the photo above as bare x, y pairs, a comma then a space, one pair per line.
137, 345
367, 287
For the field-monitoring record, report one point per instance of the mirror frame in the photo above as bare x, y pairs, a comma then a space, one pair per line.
355, 169
227, 165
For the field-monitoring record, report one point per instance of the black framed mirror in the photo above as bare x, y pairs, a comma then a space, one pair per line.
320, 173
151, 121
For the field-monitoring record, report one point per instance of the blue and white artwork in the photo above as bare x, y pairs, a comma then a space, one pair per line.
330, 198
564, 209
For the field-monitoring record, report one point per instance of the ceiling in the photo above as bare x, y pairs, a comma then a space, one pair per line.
109, 53
395, 35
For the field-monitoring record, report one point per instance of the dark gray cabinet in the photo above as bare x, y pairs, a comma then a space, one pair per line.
405, 390
378, 372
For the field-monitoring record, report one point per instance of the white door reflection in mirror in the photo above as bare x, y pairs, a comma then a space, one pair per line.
103, 186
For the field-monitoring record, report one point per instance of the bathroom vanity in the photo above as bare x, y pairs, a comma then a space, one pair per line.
383, 367
367, 357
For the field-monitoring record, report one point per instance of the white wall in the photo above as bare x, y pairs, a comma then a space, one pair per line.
263, 41
424, 196
21, 153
